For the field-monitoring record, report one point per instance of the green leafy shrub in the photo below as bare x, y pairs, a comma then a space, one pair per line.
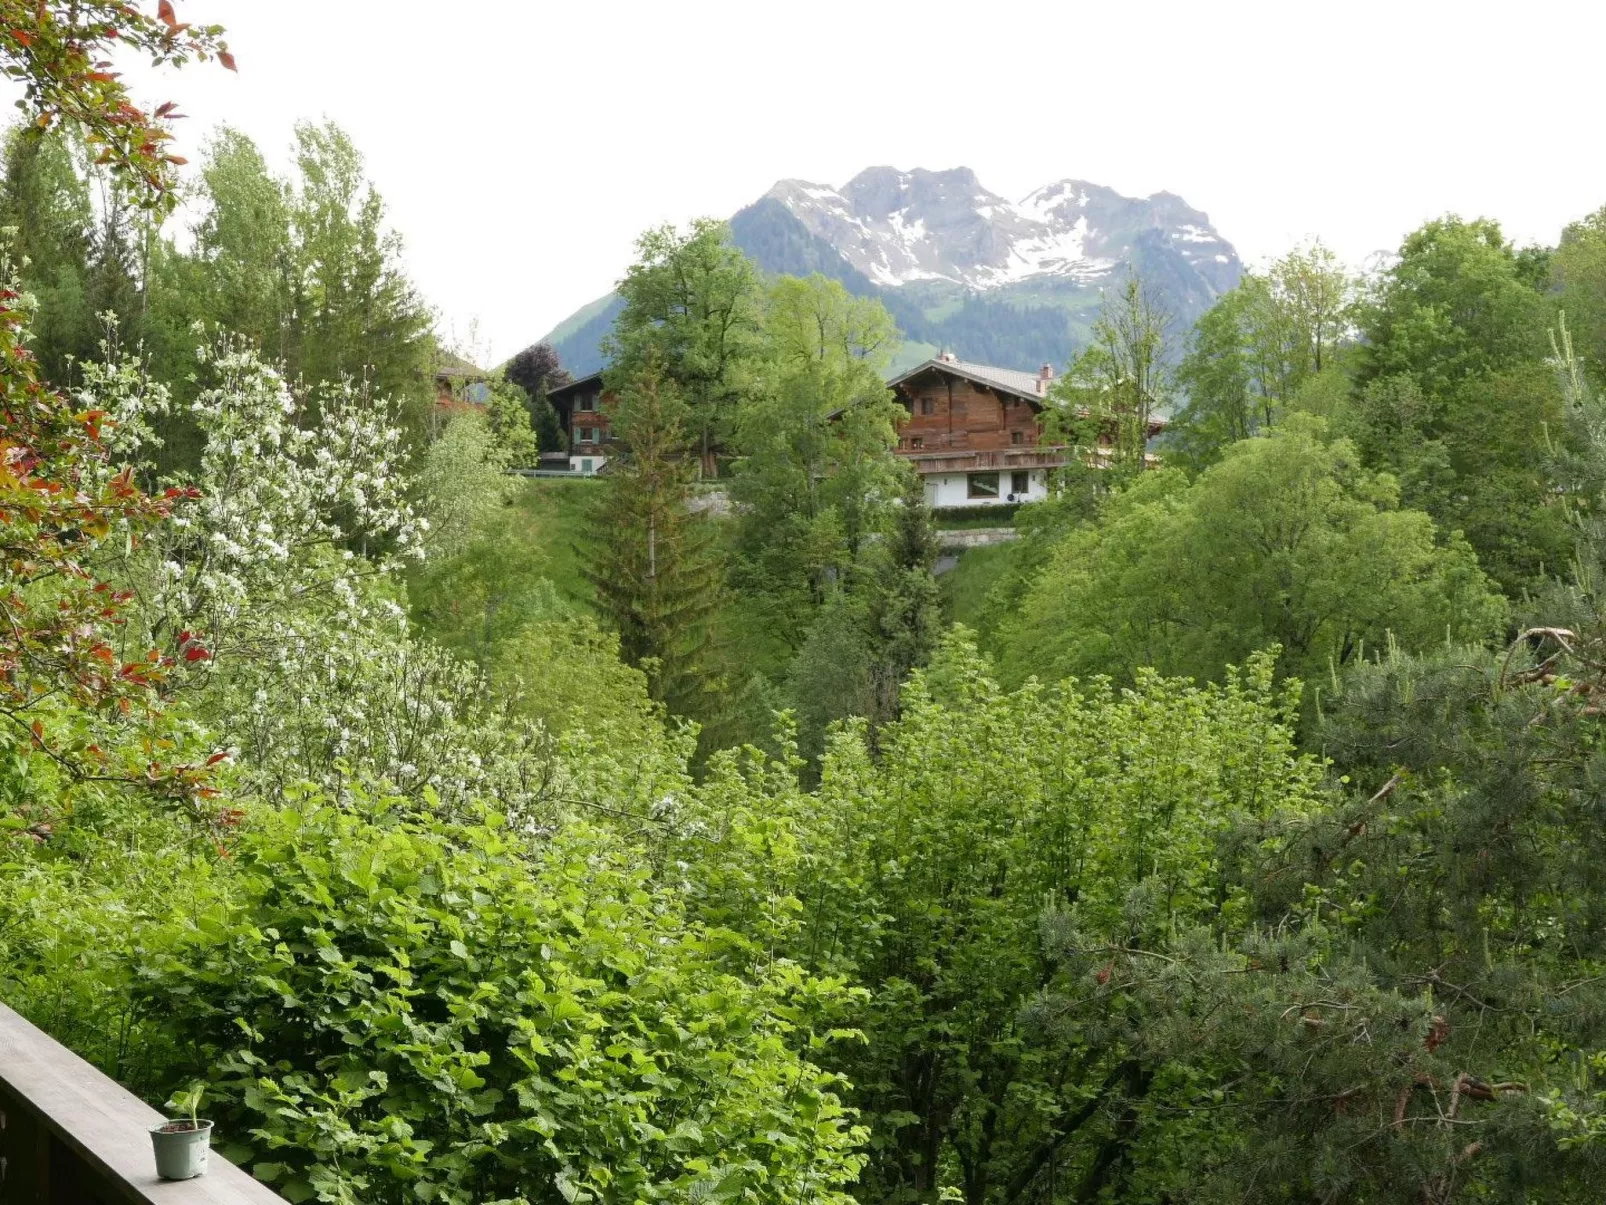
951, 518
926, 874
391, 1008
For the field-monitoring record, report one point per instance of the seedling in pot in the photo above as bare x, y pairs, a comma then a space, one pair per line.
181, 1145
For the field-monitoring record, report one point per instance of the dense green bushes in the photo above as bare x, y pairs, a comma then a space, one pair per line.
960, 517
924, 873
1288, 540
388, 992
422, 884
386, 1008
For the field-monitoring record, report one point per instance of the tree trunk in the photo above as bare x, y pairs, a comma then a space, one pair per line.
709, 466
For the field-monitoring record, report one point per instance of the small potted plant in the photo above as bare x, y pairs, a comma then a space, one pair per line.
182, 1142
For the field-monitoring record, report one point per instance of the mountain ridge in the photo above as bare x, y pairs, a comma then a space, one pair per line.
1014, 283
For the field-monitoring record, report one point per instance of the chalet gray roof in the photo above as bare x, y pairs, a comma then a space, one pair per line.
575, 386
455, 366
1022, 384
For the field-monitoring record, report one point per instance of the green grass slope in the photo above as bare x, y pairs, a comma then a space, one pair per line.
965, 586
547, 520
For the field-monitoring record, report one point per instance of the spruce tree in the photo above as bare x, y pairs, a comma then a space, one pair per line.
907, 609
652, 559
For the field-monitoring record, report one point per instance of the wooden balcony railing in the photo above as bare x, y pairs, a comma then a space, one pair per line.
951, 459
71, 1136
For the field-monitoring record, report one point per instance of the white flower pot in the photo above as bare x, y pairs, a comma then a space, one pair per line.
181, 1148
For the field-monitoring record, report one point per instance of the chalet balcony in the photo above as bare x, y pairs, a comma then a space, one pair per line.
71, 1136
956, 458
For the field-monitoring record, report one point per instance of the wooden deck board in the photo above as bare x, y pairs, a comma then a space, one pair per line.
103, 1125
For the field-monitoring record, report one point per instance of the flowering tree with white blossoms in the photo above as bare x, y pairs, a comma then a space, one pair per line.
302, 500
288, 563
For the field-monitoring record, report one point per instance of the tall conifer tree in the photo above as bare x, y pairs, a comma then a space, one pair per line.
652, 561
908, 607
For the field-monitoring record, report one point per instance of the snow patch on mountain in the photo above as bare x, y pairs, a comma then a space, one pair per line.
900, 227
956, 265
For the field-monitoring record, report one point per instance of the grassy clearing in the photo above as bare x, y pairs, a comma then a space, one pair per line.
965, 586
547, 518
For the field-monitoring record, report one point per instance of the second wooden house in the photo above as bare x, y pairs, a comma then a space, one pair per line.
582, 407
975, 432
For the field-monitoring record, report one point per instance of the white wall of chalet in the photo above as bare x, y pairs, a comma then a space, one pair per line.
955, 489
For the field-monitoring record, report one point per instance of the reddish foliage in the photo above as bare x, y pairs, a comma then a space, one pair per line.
64, 628
57, 52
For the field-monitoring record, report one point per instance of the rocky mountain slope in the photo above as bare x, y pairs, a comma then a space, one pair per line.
1010, 283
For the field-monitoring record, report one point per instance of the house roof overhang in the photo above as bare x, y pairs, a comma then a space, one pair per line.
1021, 385
564, 392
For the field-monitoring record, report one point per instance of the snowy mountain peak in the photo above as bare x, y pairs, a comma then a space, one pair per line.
1012, 283
899, 227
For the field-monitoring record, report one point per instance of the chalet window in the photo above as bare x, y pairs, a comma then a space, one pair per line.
586, 435
1017, 437
1020, 484
917, 442
928, 405
983, 485
588, 403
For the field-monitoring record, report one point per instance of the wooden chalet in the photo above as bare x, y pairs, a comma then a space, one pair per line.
460, 385
974, 432
582, 407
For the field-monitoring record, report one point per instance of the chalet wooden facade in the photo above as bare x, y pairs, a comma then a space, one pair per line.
975, 432
582, 407
460, 385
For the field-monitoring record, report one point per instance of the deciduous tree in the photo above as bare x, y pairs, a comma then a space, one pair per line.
1455, 306
60, 54
924, 873
356, 316
1252, 354
1286, 541
537, 371
1117, 384
1459, 322
693, 307
817, 475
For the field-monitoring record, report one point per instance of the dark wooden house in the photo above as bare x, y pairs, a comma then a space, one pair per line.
460, 385
582, 408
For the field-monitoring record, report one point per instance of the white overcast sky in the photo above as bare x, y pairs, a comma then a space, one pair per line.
522, 146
